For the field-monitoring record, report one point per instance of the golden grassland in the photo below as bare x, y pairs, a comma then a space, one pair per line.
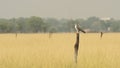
40, 51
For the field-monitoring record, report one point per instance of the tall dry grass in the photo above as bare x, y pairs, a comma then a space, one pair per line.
40, 51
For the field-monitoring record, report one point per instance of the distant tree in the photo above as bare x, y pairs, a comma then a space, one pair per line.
115, 27
70, 25
54, 23
89, 22
35, 24
21, 25
4, 25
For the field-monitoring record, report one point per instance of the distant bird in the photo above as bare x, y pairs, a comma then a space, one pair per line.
76, 46
78, 29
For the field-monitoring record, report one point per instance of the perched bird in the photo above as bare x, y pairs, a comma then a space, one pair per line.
78, 29
76, 46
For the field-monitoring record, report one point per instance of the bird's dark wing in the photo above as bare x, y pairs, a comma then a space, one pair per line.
81, 30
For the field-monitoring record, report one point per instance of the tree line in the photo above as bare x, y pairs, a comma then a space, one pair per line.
36, 24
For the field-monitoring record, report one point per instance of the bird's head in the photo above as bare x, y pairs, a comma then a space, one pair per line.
76, 27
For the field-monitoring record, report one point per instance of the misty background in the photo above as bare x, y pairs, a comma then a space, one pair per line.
26, 16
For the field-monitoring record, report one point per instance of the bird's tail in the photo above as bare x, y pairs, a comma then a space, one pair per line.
82, 31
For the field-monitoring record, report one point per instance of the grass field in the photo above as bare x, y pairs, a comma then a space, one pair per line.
40, 51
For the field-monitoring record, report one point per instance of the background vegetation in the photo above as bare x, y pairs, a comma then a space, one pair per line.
35, 24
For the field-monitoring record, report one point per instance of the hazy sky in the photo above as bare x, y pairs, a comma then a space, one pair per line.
60, 8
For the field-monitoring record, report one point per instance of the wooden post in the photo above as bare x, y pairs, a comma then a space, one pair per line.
76, 47
101, 34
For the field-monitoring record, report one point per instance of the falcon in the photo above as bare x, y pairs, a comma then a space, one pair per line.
78, 29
